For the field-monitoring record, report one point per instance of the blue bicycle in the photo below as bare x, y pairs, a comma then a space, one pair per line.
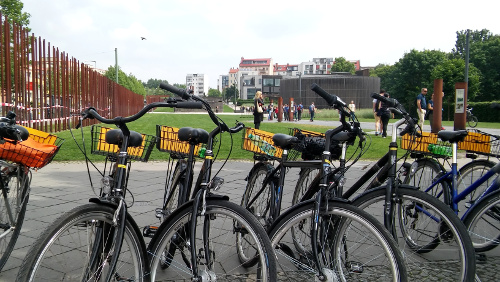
476, 200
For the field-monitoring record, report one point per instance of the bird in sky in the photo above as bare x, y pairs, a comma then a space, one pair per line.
143, 38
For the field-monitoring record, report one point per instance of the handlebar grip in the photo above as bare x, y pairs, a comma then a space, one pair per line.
189, 105
181, 92
237, 128
329, 98
390, 102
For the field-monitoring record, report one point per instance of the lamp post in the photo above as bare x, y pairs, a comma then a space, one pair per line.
235, 84
300, 86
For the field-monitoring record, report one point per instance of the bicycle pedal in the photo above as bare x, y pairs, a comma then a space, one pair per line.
149, 231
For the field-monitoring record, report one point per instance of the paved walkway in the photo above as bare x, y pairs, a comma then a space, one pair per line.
62, 186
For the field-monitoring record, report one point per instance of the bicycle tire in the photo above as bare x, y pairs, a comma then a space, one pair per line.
357, 247
64, 249
483, 223
260, 208
428, 170
467, 175
226, 218
441, 250
16, 196
472, 121
306, 177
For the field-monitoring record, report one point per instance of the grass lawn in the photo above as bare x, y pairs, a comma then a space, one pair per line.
147, 125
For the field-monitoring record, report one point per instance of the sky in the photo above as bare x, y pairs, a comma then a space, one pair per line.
210, 37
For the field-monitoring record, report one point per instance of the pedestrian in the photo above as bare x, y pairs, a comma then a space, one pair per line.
385, 114
294, 112
300, 107
378, 124
421, 106
352, 108
312, 109
285, 111
258, 113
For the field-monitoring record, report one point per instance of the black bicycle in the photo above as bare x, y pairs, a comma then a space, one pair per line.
21, 148
325, 238
433, 240
101, 241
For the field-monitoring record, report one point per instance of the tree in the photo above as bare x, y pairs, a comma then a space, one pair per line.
13, 10
452, 71
342, 65
474, 37
128, 81
230, 92
411, 73
214, 93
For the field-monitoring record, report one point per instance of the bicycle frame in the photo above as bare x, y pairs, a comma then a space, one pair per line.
452, 198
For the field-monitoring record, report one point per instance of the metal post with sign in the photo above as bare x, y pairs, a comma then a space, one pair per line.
460, 105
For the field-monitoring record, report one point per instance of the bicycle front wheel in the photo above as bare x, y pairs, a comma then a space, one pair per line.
472, 121
14, 198
79, 245
351, 246
483, 223
217, 258
433, 240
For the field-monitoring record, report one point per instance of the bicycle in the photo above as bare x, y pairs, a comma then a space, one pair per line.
101, 240
21, 149
471, 119
325, 238
419, 222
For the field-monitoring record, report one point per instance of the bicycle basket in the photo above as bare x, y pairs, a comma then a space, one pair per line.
101, 147
418, 144
35, 152
169, 142
481, 143
260, 142
312, 144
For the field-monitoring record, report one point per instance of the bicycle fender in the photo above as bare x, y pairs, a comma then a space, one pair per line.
407, 186
268, 166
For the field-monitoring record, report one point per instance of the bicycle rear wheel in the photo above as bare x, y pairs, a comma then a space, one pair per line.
353, 246
79, 245
14, 198
217, 257
428, 170
306, 178
433, 240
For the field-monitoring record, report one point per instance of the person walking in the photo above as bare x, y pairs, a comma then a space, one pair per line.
300, 107
258, 112
385, 114
312, 109
375, 114
352, 108
421, 107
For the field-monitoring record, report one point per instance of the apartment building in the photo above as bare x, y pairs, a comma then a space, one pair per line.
198, 83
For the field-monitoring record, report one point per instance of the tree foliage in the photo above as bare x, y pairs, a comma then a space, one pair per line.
13, 9
128, 81
229, 93
342, 65
214, 93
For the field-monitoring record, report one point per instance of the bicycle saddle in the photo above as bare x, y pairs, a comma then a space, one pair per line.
193, 135
286, 142
343, 136
115, 137
452, 136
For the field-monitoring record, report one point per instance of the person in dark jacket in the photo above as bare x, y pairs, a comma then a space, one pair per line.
258, 113
384, 114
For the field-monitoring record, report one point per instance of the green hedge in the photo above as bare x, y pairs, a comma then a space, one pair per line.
484, 112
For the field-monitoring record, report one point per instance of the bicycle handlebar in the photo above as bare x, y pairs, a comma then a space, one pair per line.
239, 126
10, 130
399, 109
92, 113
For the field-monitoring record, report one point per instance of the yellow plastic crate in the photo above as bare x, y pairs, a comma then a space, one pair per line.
260, 142
169, 141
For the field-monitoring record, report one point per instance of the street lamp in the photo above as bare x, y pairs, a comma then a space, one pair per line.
299, 74
235, 84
